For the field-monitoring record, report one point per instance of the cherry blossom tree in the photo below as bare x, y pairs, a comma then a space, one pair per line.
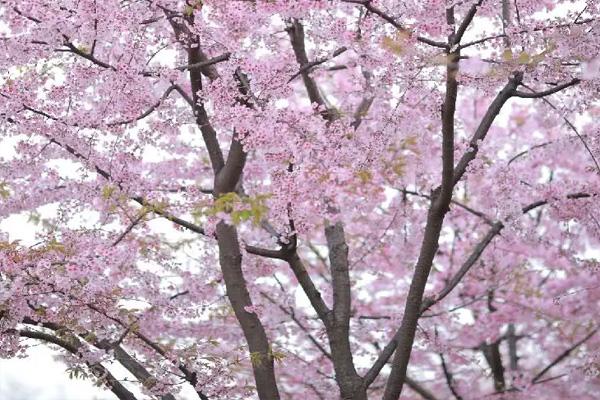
304, 199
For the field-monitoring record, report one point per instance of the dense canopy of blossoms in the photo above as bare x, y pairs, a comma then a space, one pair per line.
328, 199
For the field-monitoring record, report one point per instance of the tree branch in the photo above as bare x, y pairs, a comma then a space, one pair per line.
129, 228
563, 355
484, 126
206, 62
190, 376
471, 210
73, 49
148, 111
493, 357
137, 199
471, 260
449, 378
338, 260
226, 176
525, 31
480, 248
389, 349
337, 326
371, 8
540, 203
466, 22
128, 362
296, 33
307, 68
438, 208
229, 176
573, 128
209, 134
418, 388
448, 110
300, 325
511, 338
309, 288
97, 369
106, 175
136, 369
555, 89
140, 200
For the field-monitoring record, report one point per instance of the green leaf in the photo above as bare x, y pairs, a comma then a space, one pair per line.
77, 372
150, 382
4, 192
251, 208
277, 356
90, 337
524, 58
256, 358
396, 44
107, 192
364, 175
55, 245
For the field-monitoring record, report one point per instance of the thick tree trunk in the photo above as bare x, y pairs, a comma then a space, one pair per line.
338, 327
230, 259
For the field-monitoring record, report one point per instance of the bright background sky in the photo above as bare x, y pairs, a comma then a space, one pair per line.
41, 377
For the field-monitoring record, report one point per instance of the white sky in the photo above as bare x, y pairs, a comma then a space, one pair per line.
40, 377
